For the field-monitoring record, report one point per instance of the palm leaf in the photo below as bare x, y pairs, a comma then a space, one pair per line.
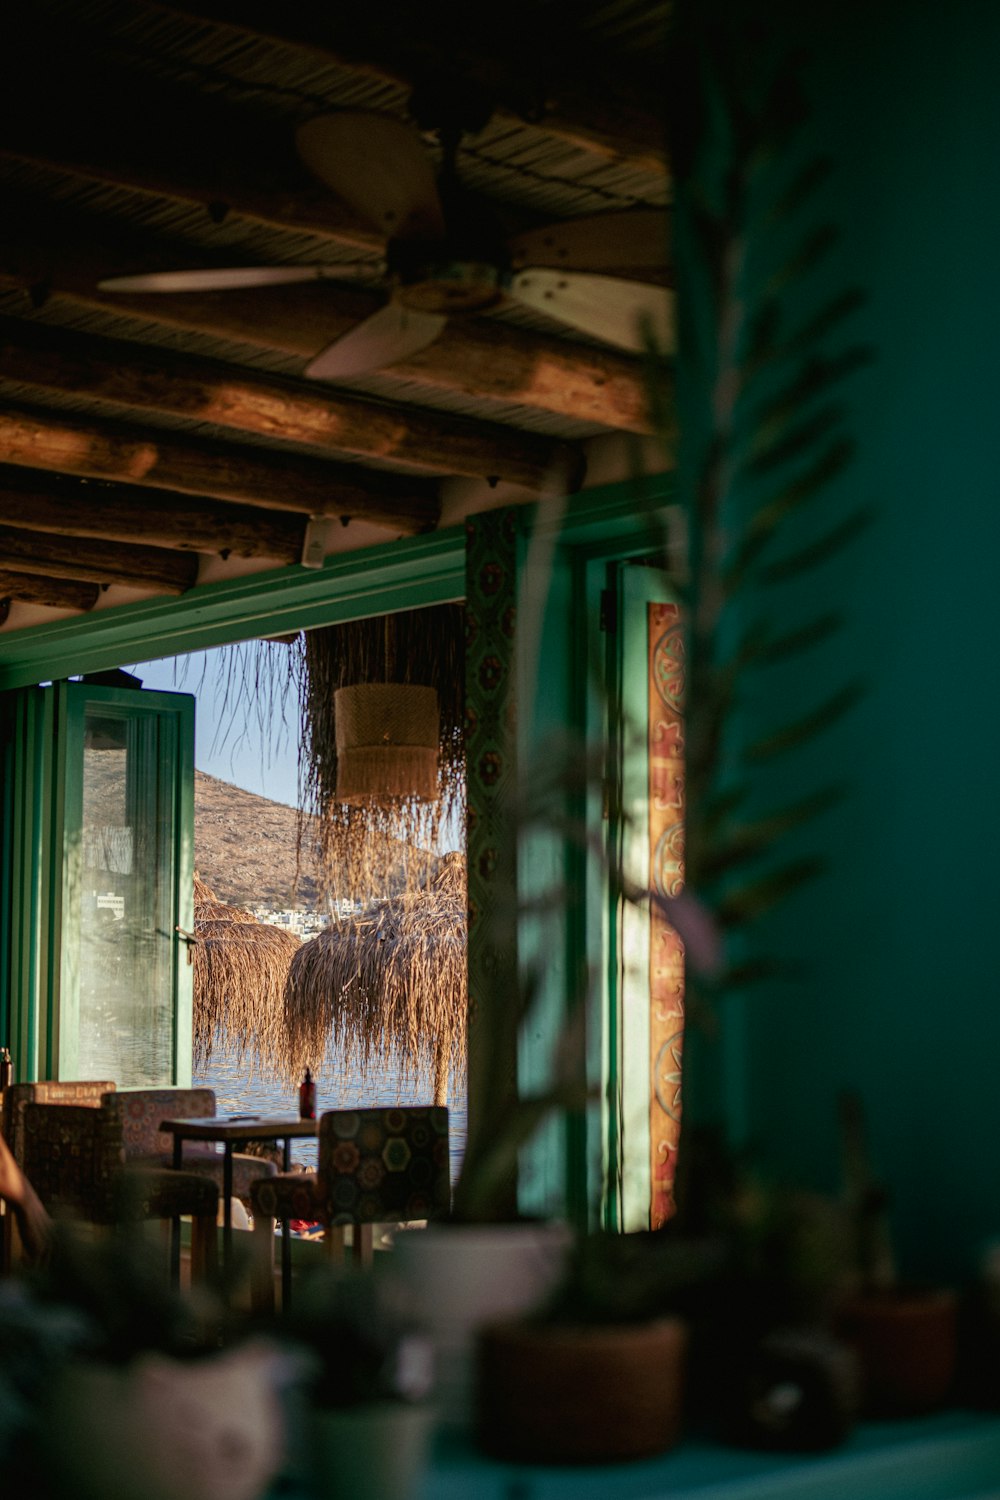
761, 648
748, 841
761, 530
808, 726
753, 898
820, 551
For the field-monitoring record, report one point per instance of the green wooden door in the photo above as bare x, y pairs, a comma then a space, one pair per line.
98, 881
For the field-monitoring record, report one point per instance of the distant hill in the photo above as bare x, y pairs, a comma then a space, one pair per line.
244, 846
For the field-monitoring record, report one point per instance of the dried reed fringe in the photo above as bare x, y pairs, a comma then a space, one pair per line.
390, 982
363, 851
240, 968
388, 978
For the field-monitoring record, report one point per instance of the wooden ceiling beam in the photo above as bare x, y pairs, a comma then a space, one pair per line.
535, 71
84, 561
426, 442
126, 513
46, 252
534, 63
169, 142
223, 471
54, 593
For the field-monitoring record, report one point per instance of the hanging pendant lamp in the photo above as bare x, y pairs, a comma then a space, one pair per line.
387, 736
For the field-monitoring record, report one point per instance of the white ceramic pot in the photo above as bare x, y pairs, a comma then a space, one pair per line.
462, 1276
373, 1452
166, 1429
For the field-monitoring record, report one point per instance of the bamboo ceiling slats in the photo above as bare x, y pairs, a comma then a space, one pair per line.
142, 435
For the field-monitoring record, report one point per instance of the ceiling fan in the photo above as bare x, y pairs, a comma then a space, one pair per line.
446, 253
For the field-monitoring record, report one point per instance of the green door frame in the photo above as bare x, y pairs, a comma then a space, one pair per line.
405, 574
376, 580
40, 879
593, 527
569, 1170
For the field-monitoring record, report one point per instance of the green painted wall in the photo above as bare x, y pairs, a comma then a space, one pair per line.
898, 940
562, 721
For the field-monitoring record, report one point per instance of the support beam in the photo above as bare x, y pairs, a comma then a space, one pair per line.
427, 442
139, 567
150, 137
54, 593
127, 513
535, 65
49, 253
151, 457
538, 71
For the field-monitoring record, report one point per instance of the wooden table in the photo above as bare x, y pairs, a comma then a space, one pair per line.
233, 1131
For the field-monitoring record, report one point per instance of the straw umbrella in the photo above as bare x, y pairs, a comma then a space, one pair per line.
390, 981
240, 967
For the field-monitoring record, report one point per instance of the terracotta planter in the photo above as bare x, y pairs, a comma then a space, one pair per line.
550, 1393
907, 1344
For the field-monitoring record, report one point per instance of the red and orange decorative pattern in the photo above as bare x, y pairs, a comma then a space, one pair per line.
666, 862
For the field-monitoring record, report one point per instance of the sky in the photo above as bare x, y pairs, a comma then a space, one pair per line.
239, 737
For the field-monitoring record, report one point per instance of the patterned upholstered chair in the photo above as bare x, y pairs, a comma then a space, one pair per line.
376, 1166
75, 1158
141, 1111
16, 1098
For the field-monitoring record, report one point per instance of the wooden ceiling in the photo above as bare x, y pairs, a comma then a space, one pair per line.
149, 443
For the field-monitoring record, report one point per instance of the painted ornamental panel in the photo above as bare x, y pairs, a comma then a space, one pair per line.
666, 862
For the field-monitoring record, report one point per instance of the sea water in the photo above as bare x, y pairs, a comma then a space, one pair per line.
238, 1090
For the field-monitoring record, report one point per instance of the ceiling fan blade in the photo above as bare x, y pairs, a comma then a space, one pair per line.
392, 334
379, 167
633, 239
620, 312
229, 278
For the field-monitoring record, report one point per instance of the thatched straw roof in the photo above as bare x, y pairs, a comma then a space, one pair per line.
390, 982
240, 967
415, 647
209, 907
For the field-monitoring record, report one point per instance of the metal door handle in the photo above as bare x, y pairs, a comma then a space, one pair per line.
188, 939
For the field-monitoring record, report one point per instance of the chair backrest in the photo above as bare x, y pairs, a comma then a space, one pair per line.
379, 1166
71, 1155
141, 1110
77, 1163
50, 1091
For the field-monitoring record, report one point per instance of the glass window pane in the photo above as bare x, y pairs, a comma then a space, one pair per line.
126, 938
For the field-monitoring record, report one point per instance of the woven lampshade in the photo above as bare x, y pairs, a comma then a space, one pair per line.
387, 743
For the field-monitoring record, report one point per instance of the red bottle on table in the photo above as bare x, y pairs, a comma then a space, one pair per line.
307, 1097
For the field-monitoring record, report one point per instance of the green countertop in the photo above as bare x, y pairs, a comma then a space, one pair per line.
954, 1455
951, 1456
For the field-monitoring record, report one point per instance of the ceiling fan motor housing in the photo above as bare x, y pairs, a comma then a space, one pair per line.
446, 287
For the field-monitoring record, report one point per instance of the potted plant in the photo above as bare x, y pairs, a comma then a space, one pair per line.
486, 1260
366, 1416
766, 1369
152, 1394
596, 1374
905, 1332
